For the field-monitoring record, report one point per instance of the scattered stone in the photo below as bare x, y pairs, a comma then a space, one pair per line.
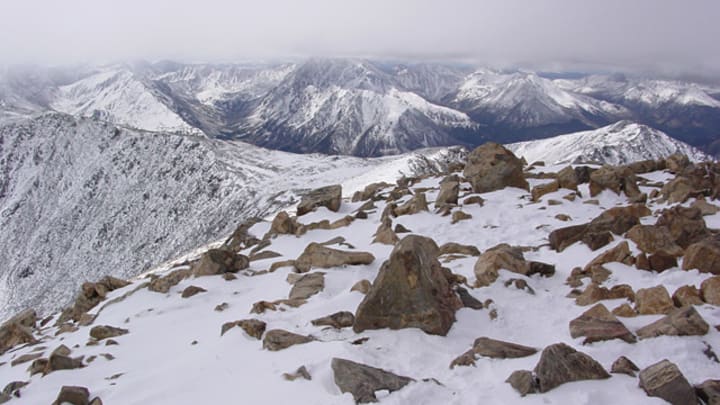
561, 238
448, 194
687, 295
13, 333
411, 290
523, 381
625, 311
301, 372
653, 301
329, 197
221, 307
241, 238
475, 199
710, 290
317, 255
458, 216
619, 179
25, 358
497, 349
704, 256
492, 167
338, 320
623, 365
664, 380
597, 240
654, 239
502, 256
385, 234
219, 261
261, 306
686, 225
709, 392
456, 248
468, 300
705, 207
369, 192
362, 381
598, 324
111, 342
399, 228
163, 284
278, 339
568, 178
73, 395
560, 364
192, 290
362, 286
542, 189
563, 217
264, 255
61, 362
680, 322
416, 204
253, 327
101, 332
90, 295
307, 286
283, 224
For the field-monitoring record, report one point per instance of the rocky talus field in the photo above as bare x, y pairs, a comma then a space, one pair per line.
496, 282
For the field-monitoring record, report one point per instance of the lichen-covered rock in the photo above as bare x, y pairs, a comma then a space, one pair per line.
492, 167
411, 290
664, 380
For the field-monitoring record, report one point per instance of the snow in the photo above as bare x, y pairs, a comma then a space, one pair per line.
160, 364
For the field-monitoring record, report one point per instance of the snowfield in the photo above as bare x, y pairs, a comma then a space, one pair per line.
174, 353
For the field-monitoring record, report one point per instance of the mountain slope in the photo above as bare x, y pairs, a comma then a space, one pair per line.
620, 143
81, 198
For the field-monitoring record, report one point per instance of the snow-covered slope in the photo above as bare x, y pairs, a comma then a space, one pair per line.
620, 143
115, 94
174, 352
80, 198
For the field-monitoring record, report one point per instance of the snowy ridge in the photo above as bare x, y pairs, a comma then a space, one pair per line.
620, 143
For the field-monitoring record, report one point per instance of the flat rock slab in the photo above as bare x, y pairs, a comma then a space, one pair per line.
317, 255
498, 349
598, 324
664, 380
338, 320
560, 364
329, 197
307, 286
362, 381
684, 321
101, 332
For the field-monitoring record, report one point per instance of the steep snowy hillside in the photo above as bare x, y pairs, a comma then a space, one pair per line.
80, 198
620, 143
348, 107
437, 313
115, 94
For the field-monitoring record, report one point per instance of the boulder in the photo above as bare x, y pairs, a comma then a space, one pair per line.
710, 290
338, 320
502, 256
492, 167
468, 301
686, 225
241, 238
316, 255
163, 284
411, 290
677, 162
458, 249
684, 321
416, 204
687, 295
385, 234
329, 197
278, 339
458, 216
653, 301
567, 178
498, 349
561, 238
253, 327
219, 261
624, 310
653, 239
448, 194
560, 364
705, 207
191, 290
13, 333
307, 285
664, 380
709, 392
542, 189
677, 190
369, 192
704, 256
619, 220
661, 261
74, 395
362, 286
101, 332
598, 324
523, 381
623, 365
620, 253
90, 295
283, 224
597, 240
619, 179
362, 381
62, 362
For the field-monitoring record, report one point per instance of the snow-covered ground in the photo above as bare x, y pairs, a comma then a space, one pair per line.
174, 353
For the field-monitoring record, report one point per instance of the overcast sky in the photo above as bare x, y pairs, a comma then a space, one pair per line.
667, 35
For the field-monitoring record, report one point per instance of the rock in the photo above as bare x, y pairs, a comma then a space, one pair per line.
368, 193
468, 301
329, 197
163, 284
448, 194
686, 225
704, 256
219, 261
567, 178
261, 306
681, 322
338, 320
12, 389
709, 392
705, 207
307, 286
400, 228
561, 238
710, 290
74, 395
362, 381
316, 255
61, 362
497, 349
598, 324
653, 301
647, 166
664, 380
502, 256
278, 339
687, 295
625, 311
654, 239
189, 291
620, 253
677, 190
264, 255
661, 261
253, 327
560, 364
301, 372
615, 178
456, 248
90, 295
362, 286
13, 333
475, 199
623, 365
101, 332
563, 217
676, 162
241, 238
523, 382
619, 220
283, 224
385, 234
458, 216
596, 240
594, 293
411, 290
25, 358
416, 204
27, 318
491, 167
542, 189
